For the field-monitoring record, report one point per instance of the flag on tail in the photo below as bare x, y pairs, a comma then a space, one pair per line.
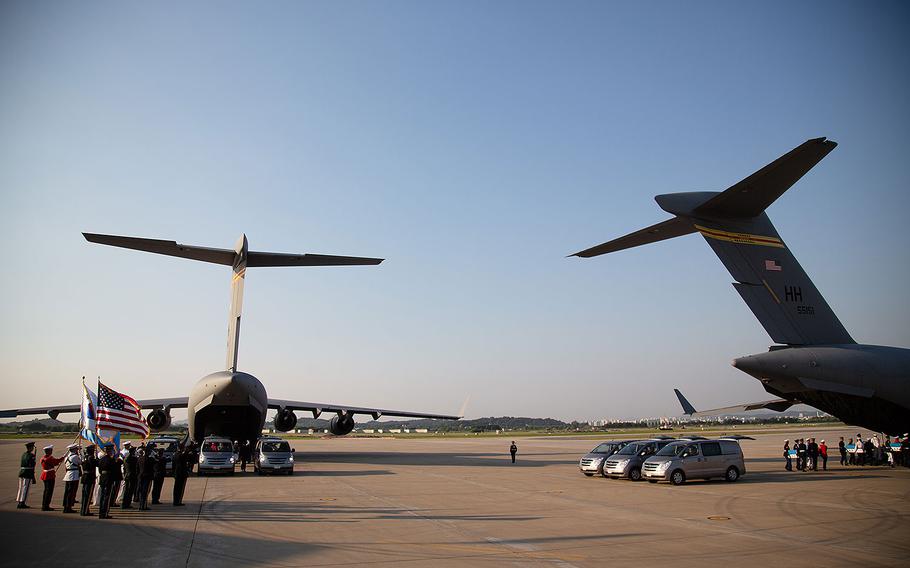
90, 430
117, 411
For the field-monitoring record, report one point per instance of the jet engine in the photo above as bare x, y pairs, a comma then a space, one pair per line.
158, 420
341, 424
285, 420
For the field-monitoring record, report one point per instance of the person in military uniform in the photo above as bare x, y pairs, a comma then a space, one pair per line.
72, 464
121, 486
108, 469
159, 470
130, 478
49, 476
116, 477
147, 463
513, 449
181, 461
26, 475
246, 454
89, 463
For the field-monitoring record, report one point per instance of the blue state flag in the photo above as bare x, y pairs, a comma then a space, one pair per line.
89, 429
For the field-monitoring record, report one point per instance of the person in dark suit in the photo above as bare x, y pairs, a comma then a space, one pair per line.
812, 452
513, 449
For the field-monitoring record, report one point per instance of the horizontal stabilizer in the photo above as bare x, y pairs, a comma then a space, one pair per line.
668, 229
280, 259
754, 194
227, 256
170, 248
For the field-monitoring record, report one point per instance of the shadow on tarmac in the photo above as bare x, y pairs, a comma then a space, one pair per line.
439, 459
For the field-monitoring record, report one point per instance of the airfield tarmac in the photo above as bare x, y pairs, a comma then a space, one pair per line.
460, 502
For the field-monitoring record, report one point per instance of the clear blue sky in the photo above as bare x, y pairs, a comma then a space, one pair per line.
473, 145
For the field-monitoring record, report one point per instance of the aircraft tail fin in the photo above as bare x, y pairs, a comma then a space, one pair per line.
735, 225
686, 405
239, 258
772, 282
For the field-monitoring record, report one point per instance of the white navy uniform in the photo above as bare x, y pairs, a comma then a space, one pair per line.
72, 465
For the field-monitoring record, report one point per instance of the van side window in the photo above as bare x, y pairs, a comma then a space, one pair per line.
711, 448
691, 450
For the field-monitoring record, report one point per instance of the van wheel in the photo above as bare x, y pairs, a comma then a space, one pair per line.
678, 477
587, 473
635, 474
732, 474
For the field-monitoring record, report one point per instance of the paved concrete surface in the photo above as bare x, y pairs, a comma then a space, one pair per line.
459, 502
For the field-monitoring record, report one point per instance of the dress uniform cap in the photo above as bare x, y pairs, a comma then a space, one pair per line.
50, 447
72, 446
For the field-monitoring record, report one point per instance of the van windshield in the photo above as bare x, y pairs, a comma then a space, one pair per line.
214, 446
672, 449
631, 449
605, 448
269, 447
166, 446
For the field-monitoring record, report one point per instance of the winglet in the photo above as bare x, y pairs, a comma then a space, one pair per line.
686, 405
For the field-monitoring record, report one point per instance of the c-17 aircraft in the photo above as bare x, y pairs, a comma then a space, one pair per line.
815, 361
233, 403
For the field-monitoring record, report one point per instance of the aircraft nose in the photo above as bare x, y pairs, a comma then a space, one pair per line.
748, 364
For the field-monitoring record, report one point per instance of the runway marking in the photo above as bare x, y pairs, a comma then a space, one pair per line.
524, 548
196, 524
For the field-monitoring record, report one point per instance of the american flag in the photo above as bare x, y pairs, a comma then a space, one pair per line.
119, 412
773, 266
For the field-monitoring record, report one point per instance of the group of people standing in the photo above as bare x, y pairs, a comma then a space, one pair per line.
871, 451
875, 451
808, 453
131, 475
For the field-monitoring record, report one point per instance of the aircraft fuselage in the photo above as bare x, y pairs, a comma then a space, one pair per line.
861, 384
227, 403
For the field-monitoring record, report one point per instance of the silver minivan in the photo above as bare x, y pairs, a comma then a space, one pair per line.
696, 459
273, 455
627, 462
216, 455
592, 463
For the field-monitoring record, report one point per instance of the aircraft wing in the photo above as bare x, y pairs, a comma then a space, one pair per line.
777, 405
54, 410
318, 408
